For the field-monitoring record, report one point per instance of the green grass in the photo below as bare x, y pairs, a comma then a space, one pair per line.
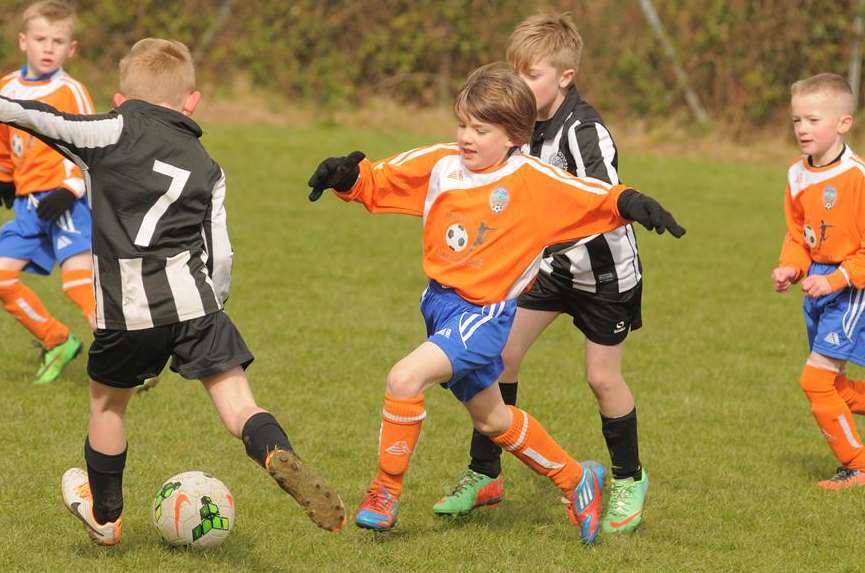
326, 297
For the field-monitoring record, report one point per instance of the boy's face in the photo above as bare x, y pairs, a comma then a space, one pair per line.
47, 45
819, 123
549, 86
481, 144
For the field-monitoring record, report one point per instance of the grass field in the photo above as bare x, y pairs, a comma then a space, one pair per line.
326, 297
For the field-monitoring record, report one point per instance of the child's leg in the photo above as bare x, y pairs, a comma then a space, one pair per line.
852, 392
78, 285
105, 449
831, 412
26, 307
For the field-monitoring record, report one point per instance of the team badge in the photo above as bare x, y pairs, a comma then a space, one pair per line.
499, 200
810, 236
829, 196
559, 160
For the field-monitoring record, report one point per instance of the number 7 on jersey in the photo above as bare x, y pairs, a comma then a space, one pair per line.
179, 177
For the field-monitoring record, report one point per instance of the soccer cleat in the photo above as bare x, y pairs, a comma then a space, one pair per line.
625, 508
472, 490
378, 510
584, 509
844, 477
55, 359
321, 503
79, 501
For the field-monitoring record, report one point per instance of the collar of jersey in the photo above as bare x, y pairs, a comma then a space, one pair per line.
807, 161
43, 78
166, 115
555, 123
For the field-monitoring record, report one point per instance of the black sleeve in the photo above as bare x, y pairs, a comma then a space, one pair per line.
594, 152
81, 138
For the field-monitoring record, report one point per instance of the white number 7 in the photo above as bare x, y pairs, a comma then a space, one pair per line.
179, 177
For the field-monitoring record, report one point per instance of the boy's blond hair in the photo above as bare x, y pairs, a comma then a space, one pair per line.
158, 71
832, 85
52, 10
545, 35
495, 94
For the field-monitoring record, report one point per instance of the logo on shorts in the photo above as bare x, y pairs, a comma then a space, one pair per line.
63, 242
446, 332
830, 194
499, 200
620, 327
399, 448
833, 339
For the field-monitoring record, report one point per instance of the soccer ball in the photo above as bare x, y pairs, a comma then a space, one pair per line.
456, 237
193, 509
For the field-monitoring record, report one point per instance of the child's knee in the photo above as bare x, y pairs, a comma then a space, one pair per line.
495, 423
403, 382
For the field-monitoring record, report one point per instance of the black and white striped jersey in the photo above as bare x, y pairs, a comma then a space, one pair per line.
576, 140
161, 252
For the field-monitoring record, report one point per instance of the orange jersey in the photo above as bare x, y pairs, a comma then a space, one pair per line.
825, 212
484, 232
24, 159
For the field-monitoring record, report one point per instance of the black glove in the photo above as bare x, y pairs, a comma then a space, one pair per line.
7, 193
339, 173
54, 204
648, 212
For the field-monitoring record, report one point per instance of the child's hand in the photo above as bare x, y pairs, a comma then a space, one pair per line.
783, 277
816, 285
338, 173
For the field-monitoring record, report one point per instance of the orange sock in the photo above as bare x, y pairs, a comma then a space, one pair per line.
78, 286
531, 443
25, 306
852, 392
833, 416
400, 430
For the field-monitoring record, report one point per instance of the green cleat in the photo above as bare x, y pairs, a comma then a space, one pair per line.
625, 510
473, 490
54, 360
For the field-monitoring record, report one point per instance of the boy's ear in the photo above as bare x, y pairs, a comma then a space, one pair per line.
191, 102
73, 46
567, 78
845, 122
119, 98
22, 41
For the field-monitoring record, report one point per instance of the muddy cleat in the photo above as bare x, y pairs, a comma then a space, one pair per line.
625, 508
321, 503
79, 501
844, 477
378, 510
584, 509
54, 360
473, 490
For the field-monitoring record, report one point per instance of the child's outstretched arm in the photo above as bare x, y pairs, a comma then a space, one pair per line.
648, 212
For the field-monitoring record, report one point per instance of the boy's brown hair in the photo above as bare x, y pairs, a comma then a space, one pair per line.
545, 35
157, 71
495, 94
829, 84
51, 10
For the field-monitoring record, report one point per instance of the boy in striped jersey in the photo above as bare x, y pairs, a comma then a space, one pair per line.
52, 218
824, 247
162, 261
596, 280
488, 212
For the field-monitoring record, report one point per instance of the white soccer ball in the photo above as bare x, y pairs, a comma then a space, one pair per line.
193, 509
456, 237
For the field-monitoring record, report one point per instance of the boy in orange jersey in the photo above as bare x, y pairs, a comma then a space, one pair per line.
488, 213
596, 281
52, 218
825, 212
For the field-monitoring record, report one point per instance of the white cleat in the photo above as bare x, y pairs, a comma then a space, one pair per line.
79, 501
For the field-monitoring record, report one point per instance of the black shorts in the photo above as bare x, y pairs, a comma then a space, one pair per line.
602, 319
198, 348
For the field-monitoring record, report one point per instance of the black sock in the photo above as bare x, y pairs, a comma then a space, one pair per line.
486, 456
105, 474
262, 434
621, 437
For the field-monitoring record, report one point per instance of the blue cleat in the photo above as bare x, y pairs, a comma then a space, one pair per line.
378, 510
584, 509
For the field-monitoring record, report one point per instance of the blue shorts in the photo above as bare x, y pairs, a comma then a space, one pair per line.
45, 243
836, 327
472, 336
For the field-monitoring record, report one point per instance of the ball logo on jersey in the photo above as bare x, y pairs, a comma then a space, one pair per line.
830, 195
810, 236
17, 145
456, 237
499, 200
